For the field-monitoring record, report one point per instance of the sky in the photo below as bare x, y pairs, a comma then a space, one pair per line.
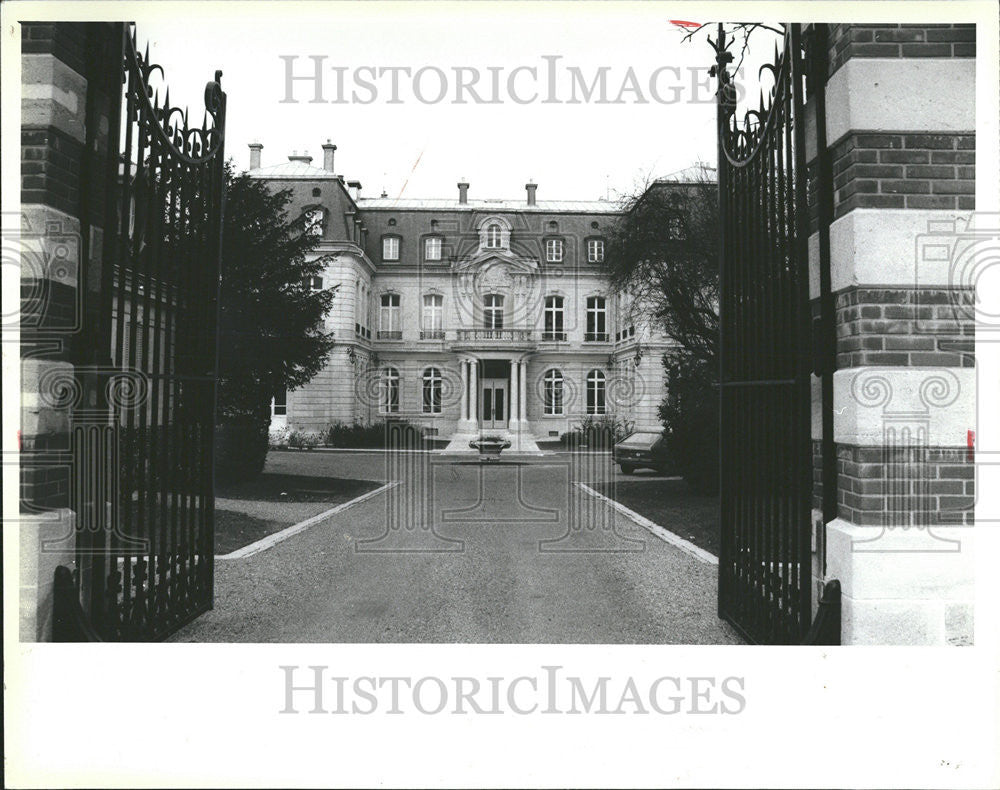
652, 124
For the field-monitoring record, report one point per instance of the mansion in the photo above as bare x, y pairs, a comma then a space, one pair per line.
467, 316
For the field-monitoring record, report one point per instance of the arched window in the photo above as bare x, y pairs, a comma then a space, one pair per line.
493, 236
553, 395
388, 402
432, 391
493, 311
596, 388
553, 319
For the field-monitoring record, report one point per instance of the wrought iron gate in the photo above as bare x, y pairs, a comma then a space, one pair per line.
146, 558
765, 351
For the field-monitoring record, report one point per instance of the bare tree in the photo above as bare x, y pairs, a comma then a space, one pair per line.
664, 252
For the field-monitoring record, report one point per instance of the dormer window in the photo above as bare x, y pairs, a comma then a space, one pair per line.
390, 248
432, 248
493, 237
494, 233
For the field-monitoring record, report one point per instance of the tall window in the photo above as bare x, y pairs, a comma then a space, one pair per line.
595, 251
388, 402
553, 319
553, 250
493, 236
493, 311
596, 388
279, 404
553, 395
388, 318
432, 327
597, 319
390, 248
432, 248
432, 391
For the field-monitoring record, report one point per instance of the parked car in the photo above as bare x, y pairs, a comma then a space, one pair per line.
643, 450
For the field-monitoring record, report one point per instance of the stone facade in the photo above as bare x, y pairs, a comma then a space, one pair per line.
466, 316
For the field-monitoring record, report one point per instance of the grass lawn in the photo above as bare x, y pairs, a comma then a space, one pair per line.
248, 511
672, 505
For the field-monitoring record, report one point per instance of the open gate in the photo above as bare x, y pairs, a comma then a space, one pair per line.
765, 354
146, 547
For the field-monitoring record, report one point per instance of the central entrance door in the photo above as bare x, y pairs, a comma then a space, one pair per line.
493, 398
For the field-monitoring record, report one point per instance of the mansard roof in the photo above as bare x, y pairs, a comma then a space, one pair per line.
542, 206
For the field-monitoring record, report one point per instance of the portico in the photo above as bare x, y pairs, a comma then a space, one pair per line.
494, 399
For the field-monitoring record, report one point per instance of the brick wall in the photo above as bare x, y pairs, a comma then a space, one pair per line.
905, 327
899, 41
899, 487
921, 171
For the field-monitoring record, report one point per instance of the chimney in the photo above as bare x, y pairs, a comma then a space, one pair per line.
295, 156
328, 151
463, 192
531, 187
354, 187
255, 149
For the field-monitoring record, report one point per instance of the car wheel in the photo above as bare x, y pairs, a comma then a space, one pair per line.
627, 469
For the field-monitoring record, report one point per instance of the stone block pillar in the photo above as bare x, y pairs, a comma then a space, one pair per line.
900, 137
69, 102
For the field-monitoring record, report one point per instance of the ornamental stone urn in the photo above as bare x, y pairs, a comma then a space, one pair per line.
489, 447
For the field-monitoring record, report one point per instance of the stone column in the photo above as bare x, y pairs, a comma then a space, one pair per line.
515, 405
464, 401
522, 397
474, 393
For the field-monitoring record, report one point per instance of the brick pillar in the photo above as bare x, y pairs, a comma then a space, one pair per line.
67, 71
900, 123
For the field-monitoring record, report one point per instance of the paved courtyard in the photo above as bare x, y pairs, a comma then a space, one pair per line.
457, 551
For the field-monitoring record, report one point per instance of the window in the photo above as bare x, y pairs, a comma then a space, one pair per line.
432, 391
390, 248
553, 319
553, 394
432, 326
314, 283
279, 403
493, 237
388, 318
597, 320
595, 251
388, 402
432, 248
493, 311
595, 392
553, 250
